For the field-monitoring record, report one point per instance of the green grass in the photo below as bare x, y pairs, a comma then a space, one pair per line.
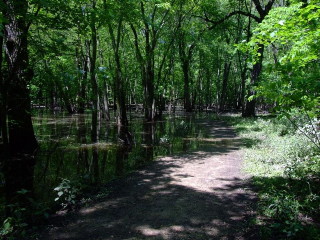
285, 168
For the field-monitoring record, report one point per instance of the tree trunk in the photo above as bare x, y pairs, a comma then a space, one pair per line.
22, 142
105, 103
119, 83
225, 79
149, 75
250, 108
149, 92
3, 102
243, 88
185, 54
186, 86
147, 64
82, 60
93, 60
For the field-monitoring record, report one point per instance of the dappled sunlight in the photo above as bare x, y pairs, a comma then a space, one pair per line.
173, 212
199, 194
213, 140
176, 230
148, 231
102, 205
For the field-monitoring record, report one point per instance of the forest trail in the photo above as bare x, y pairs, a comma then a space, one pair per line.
194, 195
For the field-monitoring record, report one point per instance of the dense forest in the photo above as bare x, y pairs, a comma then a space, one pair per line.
114, 62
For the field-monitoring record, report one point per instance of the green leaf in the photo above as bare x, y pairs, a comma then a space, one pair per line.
251, 98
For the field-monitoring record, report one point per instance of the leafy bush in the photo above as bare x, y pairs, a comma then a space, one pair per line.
66, 193
286, 169
21, 220
15, 226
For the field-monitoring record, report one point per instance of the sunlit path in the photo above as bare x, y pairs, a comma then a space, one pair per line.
196, 195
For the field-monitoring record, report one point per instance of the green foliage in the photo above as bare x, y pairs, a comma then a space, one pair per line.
291, 34
66, 193
285, 209
60, 45
286, 169
15, 226
19, 224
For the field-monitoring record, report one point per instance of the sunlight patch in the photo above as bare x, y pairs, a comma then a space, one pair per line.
164, 232
148, 231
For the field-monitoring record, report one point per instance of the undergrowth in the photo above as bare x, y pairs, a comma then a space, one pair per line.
285, 167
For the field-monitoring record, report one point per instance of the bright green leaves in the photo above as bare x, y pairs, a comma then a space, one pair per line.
164, 5
292, 35
294, 26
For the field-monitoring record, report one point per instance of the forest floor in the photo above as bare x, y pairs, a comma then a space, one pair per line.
192, 195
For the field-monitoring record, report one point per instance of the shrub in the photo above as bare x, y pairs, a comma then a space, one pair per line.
67, 192
285, 165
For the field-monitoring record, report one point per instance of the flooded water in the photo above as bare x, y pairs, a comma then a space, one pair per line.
68, 153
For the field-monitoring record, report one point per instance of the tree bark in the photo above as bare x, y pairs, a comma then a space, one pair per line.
250, 108
3, 101
22, 142
119, 84
226, 71
82, 62
149, 71
93, 60
185, 54
186, 86
151, 36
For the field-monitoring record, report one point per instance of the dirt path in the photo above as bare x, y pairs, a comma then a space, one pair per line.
198, 195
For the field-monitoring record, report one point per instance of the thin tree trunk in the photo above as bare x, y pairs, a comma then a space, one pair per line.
106, 103
93, 59
3, 101
185, 58
83, 68
226, 71
119, 84
149, 72
186, 86
147, 64
250, 108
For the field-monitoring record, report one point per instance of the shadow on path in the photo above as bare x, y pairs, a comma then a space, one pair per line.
197, 195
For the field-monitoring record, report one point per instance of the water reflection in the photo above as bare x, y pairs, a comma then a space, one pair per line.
67, 151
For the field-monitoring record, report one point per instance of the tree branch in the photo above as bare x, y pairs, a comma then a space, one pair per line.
269, 6
35, 15
136, 44
259, 8
220, 21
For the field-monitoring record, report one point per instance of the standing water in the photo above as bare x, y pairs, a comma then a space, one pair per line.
68, 160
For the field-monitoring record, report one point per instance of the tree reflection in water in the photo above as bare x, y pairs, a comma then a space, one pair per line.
67, 151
